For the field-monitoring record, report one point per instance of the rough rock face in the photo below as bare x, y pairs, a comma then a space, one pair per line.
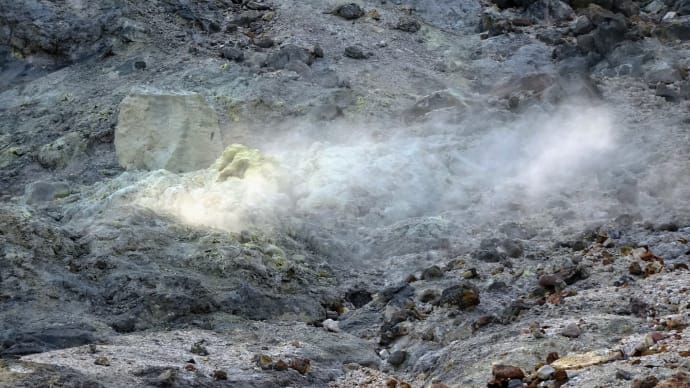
176, 132
56, 33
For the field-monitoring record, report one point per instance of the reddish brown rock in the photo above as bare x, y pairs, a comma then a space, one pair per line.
301, 365
645, 382
553, 356
507, 372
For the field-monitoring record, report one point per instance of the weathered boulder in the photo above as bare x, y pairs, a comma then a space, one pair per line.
176, 132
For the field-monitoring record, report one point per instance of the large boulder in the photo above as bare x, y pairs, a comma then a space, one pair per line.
176, 132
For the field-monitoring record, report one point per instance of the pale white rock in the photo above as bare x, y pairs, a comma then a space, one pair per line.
174, 131
331, 325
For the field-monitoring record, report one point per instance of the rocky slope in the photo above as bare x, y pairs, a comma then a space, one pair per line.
320, 193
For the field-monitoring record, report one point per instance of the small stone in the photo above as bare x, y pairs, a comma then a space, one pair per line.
199, 349
408, 24
429, 296
552, 282
232, 53
355, 52
397, 358
331, 325
263, 361
483, 321
581, 25
410, 278
645, 382
93, 349
301, 365
623, 375
258, 6
546, 372
349, 11
507, 372
280, 365
515, 383
551, 357
462, 296
102, 360
374, 14
190, 367
571, 331
220, 375
264, 42
560, 375
166, 378
433, 272
470, 273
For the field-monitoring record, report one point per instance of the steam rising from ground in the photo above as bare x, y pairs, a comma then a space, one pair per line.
370, 180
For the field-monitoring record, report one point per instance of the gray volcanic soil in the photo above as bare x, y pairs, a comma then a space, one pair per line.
440, 187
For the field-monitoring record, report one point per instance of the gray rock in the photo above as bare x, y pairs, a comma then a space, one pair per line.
245, 19
549, 11
397, 358
60, 336
60, 153
177, 132
258, 5
355, 52
199, 349
545, 372
349, 11
433, 272
40, 28
662, 72
408, 24
571, 331
669, 94
626, 7
442, 100
42, 191
609, 33
677, 28
655, 7
232, 53
290, 53
264, 42
581, 25
585, 42
462, 296
682, 7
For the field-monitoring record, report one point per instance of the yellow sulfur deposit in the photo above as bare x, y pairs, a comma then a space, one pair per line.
239, 161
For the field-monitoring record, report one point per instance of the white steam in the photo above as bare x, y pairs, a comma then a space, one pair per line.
370, 181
